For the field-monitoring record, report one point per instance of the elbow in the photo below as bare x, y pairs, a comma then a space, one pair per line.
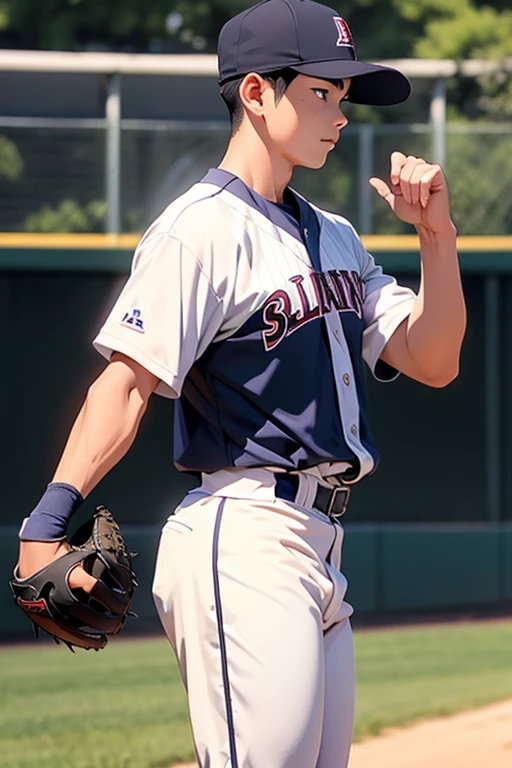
443, 378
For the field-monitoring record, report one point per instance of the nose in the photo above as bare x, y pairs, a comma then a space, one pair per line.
341, 121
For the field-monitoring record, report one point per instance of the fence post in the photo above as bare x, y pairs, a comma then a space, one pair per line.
493, 413
438, 121
366, 134
113, 152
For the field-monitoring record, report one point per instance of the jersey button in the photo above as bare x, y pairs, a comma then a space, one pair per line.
353, 429
346, 379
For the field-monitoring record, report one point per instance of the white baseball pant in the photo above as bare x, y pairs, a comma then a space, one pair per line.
251, 597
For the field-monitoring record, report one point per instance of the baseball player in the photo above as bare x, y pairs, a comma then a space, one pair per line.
255, 311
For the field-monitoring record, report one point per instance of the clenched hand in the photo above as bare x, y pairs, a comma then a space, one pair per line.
418, 193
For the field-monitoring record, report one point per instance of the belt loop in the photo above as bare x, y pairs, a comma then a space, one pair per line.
301, 493
306, 490
308, 486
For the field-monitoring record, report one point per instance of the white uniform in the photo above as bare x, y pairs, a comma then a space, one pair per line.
257, 317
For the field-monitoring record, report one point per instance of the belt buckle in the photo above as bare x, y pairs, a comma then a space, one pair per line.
332, 502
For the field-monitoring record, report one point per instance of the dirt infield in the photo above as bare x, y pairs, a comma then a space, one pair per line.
480, 738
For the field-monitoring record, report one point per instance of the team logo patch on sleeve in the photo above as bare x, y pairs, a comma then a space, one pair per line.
344, 34
133, 319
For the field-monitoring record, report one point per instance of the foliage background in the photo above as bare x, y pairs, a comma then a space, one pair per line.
383, 29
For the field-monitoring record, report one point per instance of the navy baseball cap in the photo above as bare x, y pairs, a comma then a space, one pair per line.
309, 38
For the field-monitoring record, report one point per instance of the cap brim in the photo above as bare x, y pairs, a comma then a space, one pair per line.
372, 84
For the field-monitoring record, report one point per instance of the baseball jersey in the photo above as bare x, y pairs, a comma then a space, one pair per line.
257, 317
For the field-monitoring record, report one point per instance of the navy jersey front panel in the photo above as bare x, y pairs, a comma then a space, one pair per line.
270, 408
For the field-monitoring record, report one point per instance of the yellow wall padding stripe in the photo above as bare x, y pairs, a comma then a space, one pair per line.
34, 240
129, 242
410, 243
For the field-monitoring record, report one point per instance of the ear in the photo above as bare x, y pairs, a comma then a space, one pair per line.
252, 91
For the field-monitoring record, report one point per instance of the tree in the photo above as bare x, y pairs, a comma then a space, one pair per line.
457, 29
11, 161
68, 216
135, 25
383, 29
467, 29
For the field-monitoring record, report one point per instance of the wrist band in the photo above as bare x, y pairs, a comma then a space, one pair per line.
50, 518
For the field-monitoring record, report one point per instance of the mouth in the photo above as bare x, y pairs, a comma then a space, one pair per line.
329, 141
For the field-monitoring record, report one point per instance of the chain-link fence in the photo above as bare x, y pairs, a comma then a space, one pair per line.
53, 172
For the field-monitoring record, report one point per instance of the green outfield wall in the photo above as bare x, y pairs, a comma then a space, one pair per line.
432, 528
391, 569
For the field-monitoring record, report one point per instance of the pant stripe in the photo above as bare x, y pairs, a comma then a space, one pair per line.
222, 639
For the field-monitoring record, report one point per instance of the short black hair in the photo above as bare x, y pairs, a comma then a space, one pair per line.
279, 80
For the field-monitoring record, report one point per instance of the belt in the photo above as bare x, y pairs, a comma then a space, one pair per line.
332, 502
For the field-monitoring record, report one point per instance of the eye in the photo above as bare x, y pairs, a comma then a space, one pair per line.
321, 93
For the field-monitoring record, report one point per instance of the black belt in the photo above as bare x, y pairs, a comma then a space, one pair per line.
331, 501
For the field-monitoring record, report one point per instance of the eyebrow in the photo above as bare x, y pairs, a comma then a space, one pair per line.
339, 84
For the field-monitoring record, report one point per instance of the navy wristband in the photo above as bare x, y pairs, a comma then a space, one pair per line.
50, 518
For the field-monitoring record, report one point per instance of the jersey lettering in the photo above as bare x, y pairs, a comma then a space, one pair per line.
305, 313
336, 290
276, 313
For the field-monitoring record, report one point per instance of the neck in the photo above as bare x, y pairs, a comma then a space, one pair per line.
250, 157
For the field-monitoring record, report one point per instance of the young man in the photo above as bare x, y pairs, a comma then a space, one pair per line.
256, 310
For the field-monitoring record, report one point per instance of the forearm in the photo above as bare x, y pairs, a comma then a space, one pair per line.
103, 432
436, 326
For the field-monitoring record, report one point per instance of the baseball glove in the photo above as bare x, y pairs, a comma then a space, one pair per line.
73, 616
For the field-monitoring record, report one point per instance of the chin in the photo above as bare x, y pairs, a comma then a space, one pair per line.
314, 165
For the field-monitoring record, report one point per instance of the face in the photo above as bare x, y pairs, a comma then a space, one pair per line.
306, 123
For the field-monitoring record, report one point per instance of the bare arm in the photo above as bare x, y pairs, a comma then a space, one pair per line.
103, 431
107, 423
426, 346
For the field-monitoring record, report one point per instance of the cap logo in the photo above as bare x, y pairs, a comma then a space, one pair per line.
344, 36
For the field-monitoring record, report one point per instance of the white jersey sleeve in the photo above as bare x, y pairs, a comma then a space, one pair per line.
386, 305
167, 313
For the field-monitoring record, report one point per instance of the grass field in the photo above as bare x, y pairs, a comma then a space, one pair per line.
124, 707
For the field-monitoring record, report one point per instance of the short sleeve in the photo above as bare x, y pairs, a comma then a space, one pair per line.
167, 313
386, 305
